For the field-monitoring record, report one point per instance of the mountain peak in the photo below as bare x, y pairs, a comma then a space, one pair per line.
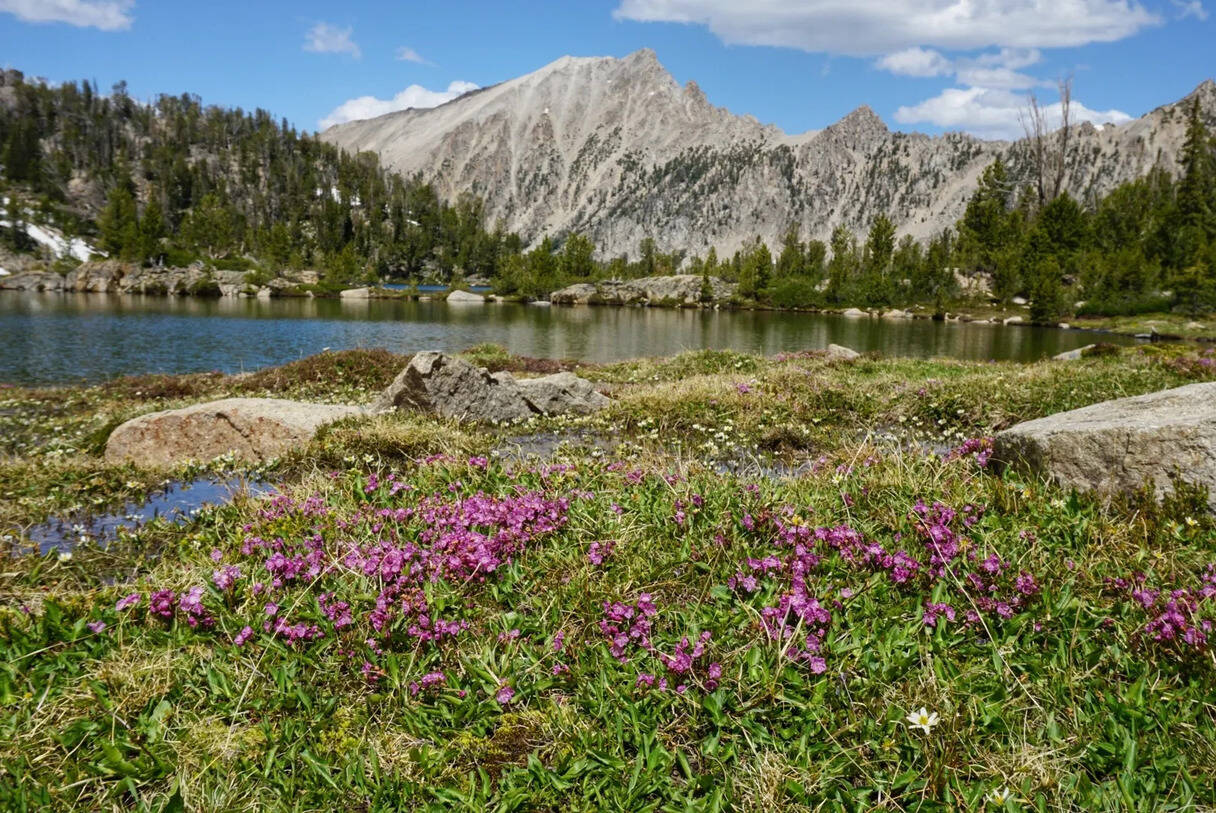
863, 123
615, 148
642, 56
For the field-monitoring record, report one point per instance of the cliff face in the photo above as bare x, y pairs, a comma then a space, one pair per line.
617, 149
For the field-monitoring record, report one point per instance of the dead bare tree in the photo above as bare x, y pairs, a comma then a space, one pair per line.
1049, 147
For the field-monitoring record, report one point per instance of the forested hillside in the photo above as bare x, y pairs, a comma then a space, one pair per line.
175, 181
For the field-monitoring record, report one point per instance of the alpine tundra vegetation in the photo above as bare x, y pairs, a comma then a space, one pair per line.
761, 583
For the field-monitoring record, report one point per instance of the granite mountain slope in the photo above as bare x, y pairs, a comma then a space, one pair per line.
617, 149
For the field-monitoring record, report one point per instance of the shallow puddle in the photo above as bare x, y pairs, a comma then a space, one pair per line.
177, 503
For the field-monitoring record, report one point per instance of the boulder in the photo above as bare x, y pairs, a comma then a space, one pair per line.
1013, 320
1019, 300
1072, 355
562, 394
453, 388
1117, 446
842, 353
683, 289
33, 281
465, 298
356, 293
577, 294
252, 429
854, 313
895, 313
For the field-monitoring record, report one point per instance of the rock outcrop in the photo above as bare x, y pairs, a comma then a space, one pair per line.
110, 276
680, 289
1120, 445
838, 352
459, 297
617, 149
252, 429
451, 387
562, 394
1073, 355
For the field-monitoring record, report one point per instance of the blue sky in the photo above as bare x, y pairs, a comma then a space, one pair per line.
927, 65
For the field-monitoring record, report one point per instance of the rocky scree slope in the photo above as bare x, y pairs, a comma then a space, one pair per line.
617, 149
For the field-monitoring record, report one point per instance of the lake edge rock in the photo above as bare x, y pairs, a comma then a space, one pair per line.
254, 430
1121, 445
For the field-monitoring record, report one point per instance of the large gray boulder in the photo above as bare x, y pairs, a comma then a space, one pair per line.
562, 394
459, 297
451, 387
252, 429
1120, 445
838, 352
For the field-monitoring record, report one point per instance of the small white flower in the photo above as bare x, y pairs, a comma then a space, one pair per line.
922, 719
999, 796
65, 556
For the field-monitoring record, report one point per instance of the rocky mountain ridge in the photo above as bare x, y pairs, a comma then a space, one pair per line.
617, 149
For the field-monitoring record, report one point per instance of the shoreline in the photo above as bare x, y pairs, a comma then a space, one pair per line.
1142, 327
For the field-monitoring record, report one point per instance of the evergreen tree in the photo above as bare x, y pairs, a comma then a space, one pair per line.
118, 224
874, 286
577, 258
151, 232
815, 260
844, 265
791, 262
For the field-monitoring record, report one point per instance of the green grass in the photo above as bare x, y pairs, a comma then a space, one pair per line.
1067, 703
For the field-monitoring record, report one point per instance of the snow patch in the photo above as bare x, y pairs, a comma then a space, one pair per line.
56, 242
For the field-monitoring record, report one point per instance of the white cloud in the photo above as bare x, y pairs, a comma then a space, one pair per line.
107, 15
916, 62
324, 38
993, 113
1190, 8
996, 78
876, 27
408, 54
367, 107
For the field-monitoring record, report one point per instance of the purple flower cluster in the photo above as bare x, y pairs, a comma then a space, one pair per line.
980, 447
624, 625
1180, 619
160, 603
600, 551
191, 604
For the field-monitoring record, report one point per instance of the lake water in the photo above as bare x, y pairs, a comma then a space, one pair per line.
60, 338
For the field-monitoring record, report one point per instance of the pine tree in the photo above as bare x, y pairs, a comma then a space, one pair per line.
791, 262
876, 262
151, 231
118, 224
844, 265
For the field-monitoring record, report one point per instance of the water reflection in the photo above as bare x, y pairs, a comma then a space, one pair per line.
49, 338
177, 503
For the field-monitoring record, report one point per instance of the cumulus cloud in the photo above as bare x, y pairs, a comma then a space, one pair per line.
407, 54
993, 113
876, 27
1190, 8
107, 15
324, 38
916, 62
984, 45
367, 107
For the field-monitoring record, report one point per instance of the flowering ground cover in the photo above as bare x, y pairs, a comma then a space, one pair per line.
414, 621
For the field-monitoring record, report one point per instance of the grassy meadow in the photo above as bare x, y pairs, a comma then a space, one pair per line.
782, 583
